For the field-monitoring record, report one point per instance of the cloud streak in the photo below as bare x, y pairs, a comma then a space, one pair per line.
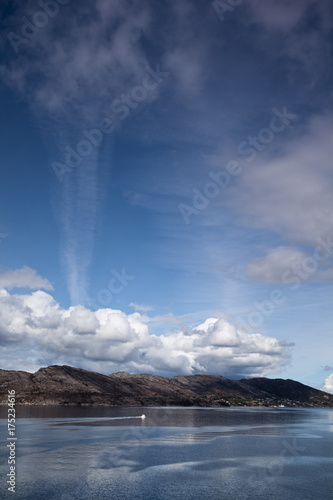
70, 73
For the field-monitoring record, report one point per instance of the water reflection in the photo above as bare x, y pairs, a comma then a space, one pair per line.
84, 453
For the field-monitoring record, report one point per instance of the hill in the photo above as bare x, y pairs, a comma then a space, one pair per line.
65, 385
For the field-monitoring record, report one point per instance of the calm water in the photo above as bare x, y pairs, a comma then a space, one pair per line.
181, 453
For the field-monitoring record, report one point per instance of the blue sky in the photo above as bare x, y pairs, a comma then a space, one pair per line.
166, 194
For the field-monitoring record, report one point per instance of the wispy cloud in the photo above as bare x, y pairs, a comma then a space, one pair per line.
70, 73
281, 263
275, 188
307, 46
141, 308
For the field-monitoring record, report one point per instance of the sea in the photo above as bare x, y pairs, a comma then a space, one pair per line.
69, 453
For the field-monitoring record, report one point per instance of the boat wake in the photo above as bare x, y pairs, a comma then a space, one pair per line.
89, 421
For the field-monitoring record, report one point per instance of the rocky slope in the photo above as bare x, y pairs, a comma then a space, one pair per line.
65, 385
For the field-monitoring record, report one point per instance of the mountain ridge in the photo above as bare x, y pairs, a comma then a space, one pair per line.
66, 385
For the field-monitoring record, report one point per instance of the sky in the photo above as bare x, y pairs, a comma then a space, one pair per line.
166, 187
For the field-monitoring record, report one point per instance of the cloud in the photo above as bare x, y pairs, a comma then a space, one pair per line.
282, 261
70, 72
328, 386
289, 191
23, 278
281, 15
142, 308
306, 44
74, 68
271, 268
108, 340
187, 66
135, 198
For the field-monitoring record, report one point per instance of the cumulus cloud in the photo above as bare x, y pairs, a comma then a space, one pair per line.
23, 278
328, 386
108, 340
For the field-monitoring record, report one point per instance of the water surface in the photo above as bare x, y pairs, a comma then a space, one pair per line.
184, 453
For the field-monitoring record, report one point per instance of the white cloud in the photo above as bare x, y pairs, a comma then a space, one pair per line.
142, 308
220, 333
108, 340
23, 278
328, 387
